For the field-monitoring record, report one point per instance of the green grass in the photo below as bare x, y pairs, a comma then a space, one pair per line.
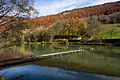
106, 29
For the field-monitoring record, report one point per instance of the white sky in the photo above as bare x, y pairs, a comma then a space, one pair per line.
48, 7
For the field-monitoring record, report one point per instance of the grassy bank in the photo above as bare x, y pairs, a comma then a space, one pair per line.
109, 31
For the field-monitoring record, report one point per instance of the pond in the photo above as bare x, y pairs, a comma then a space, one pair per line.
94, 63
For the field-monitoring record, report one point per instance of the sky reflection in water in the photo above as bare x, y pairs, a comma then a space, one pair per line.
34, 72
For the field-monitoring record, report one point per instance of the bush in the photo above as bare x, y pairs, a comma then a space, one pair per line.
38, 34
13, 33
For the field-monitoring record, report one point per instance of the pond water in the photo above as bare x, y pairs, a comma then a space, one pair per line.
94, 63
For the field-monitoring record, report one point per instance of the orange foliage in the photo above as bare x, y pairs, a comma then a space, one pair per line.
104, 9
75, 25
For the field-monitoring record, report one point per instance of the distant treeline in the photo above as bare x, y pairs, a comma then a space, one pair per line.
104, 19
105, 9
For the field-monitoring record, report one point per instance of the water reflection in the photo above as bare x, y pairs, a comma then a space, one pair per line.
84, 62
92, 64
34, 72
34, 50
38, 49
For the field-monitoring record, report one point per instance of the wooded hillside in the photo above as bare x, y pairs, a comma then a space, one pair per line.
104, 9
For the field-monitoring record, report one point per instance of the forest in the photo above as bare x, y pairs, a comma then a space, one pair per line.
105, 9
82, 43
85, 24
79, 24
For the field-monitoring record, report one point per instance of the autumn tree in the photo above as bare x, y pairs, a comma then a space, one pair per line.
10, 10
75, 26
12, 18
13, 34
105, 9
67, 27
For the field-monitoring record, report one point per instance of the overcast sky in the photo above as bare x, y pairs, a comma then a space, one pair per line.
48, 7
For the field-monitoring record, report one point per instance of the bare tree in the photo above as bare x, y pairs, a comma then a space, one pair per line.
12, 16
12, 10
115, 17
111, 31
56, 29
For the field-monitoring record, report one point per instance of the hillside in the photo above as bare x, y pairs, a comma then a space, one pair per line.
109, 31
104, 9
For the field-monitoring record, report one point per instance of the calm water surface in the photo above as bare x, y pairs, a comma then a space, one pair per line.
94, 63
